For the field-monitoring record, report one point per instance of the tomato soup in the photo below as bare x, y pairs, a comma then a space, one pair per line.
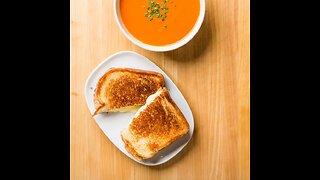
159, 22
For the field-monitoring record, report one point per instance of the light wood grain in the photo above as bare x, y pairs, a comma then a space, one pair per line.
213, 73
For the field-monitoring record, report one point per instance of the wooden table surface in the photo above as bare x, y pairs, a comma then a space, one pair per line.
213, 73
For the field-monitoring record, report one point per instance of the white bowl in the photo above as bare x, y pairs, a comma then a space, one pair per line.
169, 47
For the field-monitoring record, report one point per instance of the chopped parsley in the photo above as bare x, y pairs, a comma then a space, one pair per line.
157, 10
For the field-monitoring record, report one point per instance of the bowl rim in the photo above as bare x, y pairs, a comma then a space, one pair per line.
168, 47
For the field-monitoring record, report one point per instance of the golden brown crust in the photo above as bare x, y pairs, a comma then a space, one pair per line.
159, 118
161, 123
130, 149
131, 88
97, 103
179, 113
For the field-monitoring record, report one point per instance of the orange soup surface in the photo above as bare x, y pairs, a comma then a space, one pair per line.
181, 16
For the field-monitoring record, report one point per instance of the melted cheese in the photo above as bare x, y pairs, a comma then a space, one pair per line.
148, 101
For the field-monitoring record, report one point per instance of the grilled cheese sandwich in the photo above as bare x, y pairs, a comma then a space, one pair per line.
125, 89
155, 126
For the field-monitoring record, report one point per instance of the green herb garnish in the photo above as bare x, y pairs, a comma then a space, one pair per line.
158, 10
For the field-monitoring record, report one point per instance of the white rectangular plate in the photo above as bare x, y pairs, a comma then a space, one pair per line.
113, 123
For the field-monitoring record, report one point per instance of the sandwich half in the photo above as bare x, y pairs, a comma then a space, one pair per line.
123, 89
155, 126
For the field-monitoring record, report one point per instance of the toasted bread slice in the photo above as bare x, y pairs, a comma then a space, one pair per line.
122, 89
155, 126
